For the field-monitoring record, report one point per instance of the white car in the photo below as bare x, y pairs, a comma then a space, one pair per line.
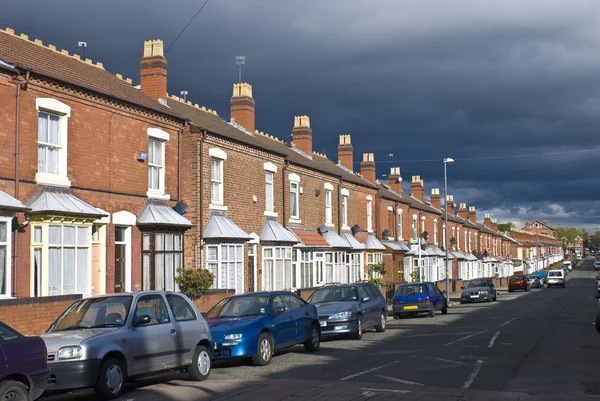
556, 278
568, 264
597, 265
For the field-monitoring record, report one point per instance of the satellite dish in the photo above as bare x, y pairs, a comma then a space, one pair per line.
181, 208
323, 229
355, 229
385, 233
425, 235
453, 241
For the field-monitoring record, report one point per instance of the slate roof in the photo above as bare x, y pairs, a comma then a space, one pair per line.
62, 202
373, 244
220, 227
7, 202
157, 212
310, 237
275, 232
335, 240
354, 243
42, 61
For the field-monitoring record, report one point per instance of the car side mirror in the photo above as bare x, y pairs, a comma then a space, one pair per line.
365, 299
278, 310
142, 320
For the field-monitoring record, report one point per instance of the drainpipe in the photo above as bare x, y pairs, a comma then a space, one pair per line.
283, 170
179, 160
17, 132
201, 195
339, 207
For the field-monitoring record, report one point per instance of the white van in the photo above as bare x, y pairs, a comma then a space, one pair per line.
568, 264
556, 278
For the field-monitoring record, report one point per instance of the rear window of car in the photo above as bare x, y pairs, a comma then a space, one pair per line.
516, 278
410, 289
555, 274
7, 334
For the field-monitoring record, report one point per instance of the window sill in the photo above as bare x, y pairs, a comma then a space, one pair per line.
295, 221
212, 206
329, 225
153, 194
370, 231
345, 228
53, 180
271, 214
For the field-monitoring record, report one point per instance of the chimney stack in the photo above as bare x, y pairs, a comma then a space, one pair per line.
436, 199
367, 168
417, 188
487, 220
242, 106
450, 201
345, 152
472, 214
302, 134
462, 211
153, 70
395, 180
495, 225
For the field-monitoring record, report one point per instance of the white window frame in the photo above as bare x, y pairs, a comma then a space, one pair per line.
444, 235
329, 205
423, 221
465, 242
270, 170
295, 189
280, 260
8, 254
63, 111
415, 227
354, 266
372, 259
435, 232
369, 213
220, 266
162, 137
458, 238
399, 225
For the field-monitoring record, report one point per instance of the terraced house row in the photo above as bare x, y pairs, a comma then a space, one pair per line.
107, 185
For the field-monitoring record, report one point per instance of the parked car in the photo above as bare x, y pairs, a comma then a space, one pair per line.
535, 281
597, 265
258, 324
556, 278
568, 264
478, 290
566, 270
349, 308
414, 298
103, 341
542, 276
24, 371
518, 283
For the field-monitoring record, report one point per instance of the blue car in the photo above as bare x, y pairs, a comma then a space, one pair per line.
258, 324
414, 298
349, 308
542, 276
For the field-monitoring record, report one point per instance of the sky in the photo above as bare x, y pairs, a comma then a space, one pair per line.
510, 89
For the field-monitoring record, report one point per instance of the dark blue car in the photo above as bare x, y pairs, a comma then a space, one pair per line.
349, 308
413, 298
258, 324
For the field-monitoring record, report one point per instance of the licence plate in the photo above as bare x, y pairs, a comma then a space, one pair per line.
552, 281
474, 296
323, 323
408, 307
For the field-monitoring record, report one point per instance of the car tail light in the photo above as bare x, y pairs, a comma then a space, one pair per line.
427, 299
45, 353
394, 302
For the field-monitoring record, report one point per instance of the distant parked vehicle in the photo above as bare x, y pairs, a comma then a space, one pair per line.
597, 265
568, 264
534, 281
556, 278
414, 298
349, 308
518, 283
257, 324
23, 372
102, 341
542, 276
478, 290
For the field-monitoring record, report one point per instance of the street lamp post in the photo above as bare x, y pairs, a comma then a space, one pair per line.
446, 162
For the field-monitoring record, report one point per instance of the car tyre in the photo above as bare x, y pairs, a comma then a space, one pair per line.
314, 340
432, 311
359, 328
264, 352
495, 297
14, 390
380, 328
199, 370
111, 379
445, 308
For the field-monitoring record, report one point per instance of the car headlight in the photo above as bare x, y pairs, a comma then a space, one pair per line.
74, 352
341, 315
484, 292
233, 336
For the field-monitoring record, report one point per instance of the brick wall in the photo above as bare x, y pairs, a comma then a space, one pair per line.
210, 299
33, 316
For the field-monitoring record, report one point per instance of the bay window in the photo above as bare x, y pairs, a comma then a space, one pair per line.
306, 269
226, 263
374, 258
277, 269
162, 255
5, 262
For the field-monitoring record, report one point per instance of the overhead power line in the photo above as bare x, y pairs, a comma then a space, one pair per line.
188, 24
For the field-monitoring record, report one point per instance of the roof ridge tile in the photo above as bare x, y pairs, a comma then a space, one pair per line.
194, 105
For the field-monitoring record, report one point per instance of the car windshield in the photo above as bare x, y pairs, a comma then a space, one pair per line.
555, 274
477, 283
411, 289
110, 311
334, 294
249, 305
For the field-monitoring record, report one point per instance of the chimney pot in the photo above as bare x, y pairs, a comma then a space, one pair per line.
418, 188
436, 200
367, 167
242, 106
302, 134
153, 70
395, 180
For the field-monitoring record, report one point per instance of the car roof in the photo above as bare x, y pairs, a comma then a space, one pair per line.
133, 294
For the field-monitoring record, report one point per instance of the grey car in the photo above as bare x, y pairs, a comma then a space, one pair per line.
102, 341
478, 290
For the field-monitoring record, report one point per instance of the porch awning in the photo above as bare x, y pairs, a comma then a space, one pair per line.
220, 227
275, 232
309, 238
439, 251
459, 254
354, 243
61, 202
373, 244
335, 241
158, 213
7, 202
471, 257
396, 246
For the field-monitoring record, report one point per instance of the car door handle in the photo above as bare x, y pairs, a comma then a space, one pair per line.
173, 331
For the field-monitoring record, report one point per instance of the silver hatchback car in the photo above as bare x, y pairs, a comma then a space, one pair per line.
102, 341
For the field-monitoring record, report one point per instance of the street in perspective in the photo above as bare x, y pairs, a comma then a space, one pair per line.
299, 200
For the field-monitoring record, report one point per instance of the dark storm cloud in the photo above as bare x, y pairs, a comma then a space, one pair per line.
419, 80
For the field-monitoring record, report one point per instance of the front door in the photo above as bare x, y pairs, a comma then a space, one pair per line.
120, 258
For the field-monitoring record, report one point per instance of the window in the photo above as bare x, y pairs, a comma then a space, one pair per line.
269, 175
369, 212
372, 291
400, 224
162, 255
353, 262
422, 224
306, 269
4, 257
469, 241
465, 243
217, 181
444, 235
154, 307
345, 211
458, 238
435, 232
48, 142
7, 334
328, 207
335, 267
372, 259
277, 269
52, 142
414, 226
182, 311
453, 234
226, 262
294, 214
293, 302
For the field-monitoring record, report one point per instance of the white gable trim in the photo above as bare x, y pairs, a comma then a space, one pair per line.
158, 134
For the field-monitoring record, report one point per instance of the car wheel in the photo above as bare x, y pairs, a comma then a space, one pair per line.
111, 378
264, 352
445, 308
201, 364
432, 311
14, 390
380, 328
359, 328
314, 341
495, 297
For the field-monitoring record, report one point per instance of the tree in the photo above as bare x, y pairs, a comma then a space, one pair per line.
585, 236
595, 240
506, 227
376, 269
567, 236
194, 282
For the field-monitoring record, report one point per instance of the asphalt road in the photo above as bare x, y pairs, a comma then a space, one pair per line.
542, 343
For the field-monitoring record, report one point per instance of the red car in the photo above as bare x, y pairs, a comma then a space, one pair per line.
519, 283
